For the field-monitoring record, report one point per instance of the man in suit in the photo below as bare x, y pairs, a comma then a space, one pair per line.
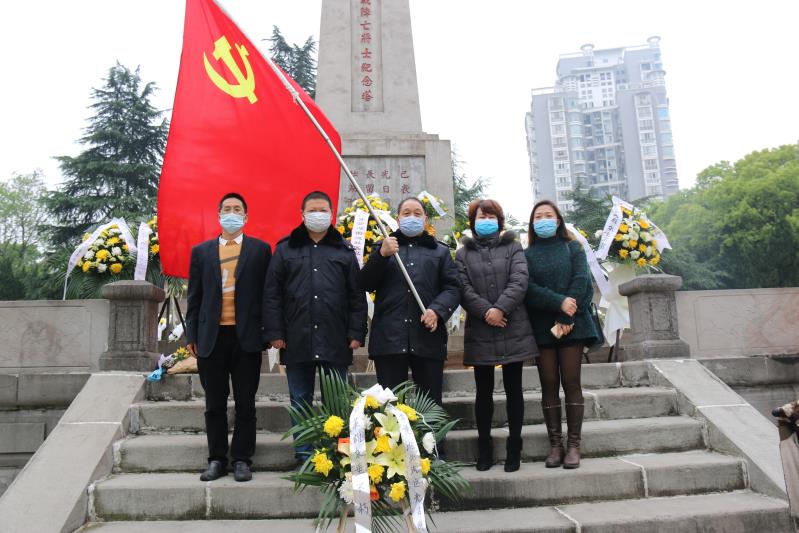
225, 333
314, 306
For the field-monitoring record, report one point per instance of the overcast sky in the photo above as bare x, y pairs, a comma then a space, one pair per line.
731, 70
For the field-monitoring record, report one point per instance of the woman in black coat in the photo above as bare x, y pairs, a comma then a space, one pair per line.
493, 273
401, 336
559, 294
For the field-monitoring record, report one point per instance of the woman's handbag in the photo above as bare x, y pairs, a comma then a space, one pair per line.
600, 335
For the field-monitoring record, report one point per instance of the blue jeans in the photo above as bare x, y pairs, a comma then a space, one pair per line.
301, 378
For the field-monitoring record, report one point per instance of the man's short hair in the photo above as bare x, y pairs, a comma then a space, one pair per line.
317, 195
235, 195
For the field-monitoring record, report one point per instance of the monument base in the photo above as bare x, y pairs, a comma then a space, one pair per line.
129, 361
396, 166
655, 349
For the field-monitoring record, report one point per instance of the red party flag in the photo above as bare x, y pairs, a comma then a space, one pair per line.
235, 128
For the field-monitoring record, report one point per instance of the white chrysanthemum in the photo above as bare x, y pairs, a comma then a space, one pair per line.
99, 242
645, 236
89, 255
114, 231
635, 254
633, 235
345, 490
429, 442
648, 251
101, 267
116, 250
597, 233
625, 237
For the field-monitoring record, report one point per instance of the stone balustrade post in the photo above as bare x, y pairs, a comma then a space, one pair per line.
132, 326
653, 318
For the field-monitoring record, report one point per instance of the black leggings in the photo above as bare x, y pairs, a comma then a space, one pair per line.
560, 365
484, 399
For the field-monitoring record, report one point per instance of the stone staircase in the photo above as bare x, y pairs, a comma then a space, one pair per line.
646, 468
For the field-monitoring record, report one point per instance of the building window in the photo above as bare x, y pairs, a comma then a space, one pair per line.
648, 137
558, 129
646, 124
650, 164
644, 112
665, 138
649, 150
663, 112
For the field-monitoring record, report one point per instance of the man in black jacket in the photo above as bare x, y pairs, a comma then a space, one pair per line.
402, 336
225, 333
314, 306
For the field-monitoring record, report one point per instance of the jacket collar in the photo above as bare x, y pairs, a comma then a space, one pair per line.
474, 243
425, 239
299, 237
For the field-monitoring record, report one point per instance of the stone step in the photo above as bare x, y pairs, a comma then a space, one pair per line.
7, 475
739, 512
143, 496
638, 402
594, 376
187, 452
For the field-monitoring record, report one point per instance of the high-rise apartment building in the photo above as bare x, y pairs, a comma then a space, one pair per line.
605, 125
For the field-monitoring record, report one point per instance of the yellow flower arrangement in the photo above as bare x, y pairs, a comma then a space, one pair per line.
333, 426
116, 268
322, 463
635, 243
376, 473
397, 491
409, 411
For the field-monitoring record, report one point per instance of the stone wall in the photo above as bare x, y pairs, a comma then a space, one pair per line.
739, 322
52, 335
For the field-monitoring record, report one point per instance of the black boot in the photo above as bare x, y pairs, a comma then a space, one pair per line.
485, 453
552, 419
513, 455
574, 424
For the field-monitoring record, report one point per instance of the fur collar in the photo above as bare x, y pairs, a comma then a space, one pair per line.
505, 238
425, 239
299, 237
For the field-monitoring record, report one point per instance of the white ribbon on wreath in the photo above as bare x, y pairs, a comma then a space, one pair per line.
433, 201
143, 258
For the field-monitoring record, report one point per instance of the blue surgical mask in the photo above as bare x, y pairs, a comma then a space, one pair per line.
486, 226
546, 227
317, 221
231, 222
411, 226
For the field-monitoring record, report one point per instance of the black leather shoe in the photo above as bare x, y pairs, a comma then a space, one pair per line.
214, 471
241, 471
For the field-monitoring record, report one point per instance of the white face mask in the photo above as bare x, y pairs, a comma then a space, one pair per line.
317, 221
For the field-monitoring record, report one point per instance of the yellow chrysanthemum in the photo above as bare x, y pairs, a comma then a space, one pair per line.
654, 243
409, 411
86, 266
349, 226
655, 260
643, 223
425, 464
624, 228
112, 241
102, 255
642, 247
333, 426
397, 491
426, 200
641, 262
369, 235
116, 268
633, 245
383, 444
371, 402
125, 247
322, 463
376, 473
154, 249
619, 236
623, 254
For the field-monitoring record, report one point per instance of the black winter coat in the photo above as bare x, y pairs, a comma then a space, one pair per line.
313, 299
396, 324
205, 295
493, 273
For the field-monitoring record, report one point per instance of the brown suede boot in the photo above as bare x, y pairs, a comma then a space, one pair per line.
574, 425
552, 419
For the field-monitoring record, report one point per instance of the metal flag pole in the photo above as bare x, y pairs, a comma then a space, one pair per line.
298, 100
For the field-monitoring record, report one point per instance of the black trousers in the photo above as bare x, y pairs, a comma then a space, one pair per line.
228, 363
428, 374
484, 399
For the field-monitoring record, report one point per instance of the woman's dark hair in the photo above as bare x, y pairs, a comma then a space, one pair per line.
409, 199
560, 232
235, 195
488, 207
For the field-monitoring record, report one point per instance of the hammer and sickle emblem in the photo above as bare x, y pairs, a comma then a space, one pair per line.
246, 84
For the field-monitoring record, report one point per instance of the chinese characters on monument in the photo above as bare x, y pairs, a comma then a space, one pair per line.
367, 77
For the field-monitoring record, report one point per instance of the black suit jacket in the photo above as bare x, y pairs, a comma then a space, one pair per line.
205, 294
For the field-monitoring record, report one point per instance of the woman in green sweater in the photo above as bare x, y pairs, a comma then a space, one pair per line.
558, 300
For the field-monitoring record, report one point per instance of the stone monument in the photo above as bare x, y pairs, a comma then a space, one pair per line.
367, 88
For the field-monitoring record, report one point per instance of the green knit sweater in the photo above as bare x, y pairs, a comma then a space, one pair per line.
558, 269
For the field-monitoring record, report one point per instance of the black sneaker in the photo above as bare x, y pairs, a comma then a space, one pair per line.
241, 471
214, 471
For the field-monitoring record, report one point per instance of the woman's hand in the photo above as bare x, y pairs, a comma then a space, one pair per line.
430, 320
564, 329
569, 306
495, 317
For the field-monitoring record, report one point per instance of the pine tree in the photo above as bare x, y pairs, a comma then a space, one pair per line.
117, 174
299, 62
